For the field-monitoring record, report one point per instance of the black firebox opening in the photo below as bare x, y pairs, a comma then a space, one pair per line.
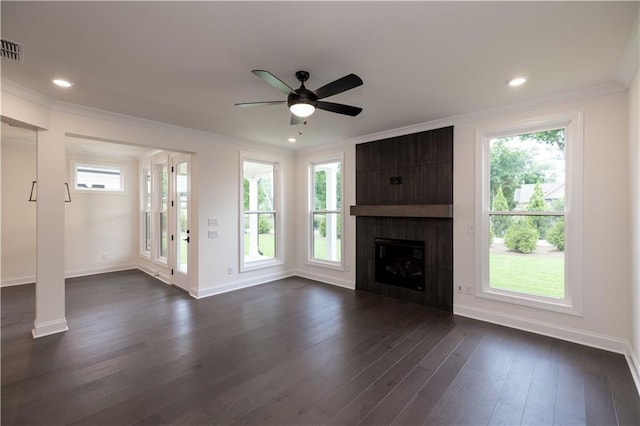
400, 263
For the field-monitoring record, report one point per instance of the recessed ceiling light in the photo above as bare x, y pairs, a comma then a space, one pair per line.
61, 82
518, 81
292, 140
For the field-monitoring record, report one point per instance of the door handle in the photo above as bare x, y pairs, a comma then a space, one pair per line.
186, 239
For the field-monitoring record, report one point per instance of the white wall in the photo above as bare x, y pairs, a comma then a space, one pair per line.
346, 276
98, 223
18, 214
95, 223
634, 163
606, 291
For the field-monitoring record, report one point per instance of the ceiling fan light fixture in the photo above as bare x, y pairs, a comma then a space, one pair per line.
302, 109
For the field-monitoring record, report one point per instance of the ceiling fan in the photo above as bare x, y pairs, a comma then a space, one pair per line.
303, 102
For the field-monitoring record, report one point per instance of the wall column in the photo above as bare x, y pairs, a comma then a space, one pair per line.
50, 291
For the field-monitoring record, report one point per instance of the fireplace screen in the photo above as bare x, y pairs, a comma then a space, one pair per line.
400, 263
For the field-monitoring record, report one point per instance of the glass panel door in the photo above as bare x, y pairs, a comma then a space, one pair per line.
181, 235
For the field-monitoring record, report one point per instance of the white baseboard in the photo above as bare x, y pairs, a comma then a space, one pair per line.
351, 285
70, 274
582, 337
49, 327
634, 366
99, 270
155, 274
18, 281
237, 285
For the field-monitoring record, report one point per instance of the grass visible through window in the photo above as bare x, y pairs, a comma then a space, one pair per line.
541, 275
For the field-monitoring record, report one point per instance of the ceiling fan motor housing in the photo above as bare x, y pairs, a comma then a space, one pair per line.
302, 96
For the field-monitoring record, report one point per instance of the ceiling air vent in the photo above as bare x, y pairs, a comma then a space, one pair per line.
12, 50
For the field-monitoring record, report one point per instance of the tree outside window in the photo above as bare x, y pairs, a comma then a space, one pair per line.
527, 184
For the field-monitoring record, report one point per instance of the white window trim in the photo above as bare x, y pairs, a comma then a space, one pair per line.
339, 266
156, 202
141, 167
572, 121
277, 259
75, 163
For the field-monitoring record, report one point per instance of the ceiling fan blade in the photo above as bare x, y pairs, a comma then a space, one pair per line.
339, 108
340, 85
274, 81
250, 104
296, 120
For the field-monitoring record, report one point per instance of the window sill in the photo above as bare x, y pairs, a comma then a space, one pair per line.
261, 264
530, 301
338, 266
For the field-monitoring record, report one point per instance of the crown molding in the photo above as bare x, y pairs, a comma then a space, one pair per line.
27, 94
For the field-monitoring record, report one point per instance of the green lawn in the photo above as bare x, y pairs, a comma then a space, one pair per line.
527, 273
265, 243
320, 248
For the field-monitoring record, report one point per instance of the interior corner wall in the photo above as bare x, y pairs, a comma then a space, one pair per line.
101, 228
634, 195
18, 214
606, 260
345, 277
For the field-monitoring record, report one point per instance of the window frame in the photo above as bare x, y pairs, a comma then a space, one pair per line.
311, 260
276, 260
121, 167
146, 167
572, 303
156, 191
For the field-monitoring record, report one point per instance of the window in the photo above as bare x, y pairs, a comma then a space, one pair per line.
145, 180
530, 221
326, 212
98, 177
162, 200
259, 225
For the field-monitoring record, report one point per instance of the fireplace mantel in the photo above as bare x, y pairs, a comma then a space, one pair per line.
436, 211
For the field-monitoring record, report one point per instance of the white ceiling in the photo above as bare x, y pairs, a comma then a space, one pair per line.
187, 63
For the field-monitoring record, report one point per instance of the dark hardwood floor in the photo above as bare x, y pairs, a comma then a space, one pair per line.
291, 352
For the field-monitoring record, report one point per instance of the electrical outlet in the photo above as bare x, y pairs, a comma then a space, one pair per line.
213, 234
468, 289
230, 270
105, 256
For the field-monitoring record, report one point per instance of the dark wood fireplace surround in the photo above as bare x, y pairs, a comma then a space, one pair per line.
404, 190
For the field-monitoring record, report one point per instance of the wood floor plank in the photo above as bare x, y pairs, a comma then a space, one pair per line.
290, 352
298, 402
626, 397
389, 408
364, 403
422, 404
